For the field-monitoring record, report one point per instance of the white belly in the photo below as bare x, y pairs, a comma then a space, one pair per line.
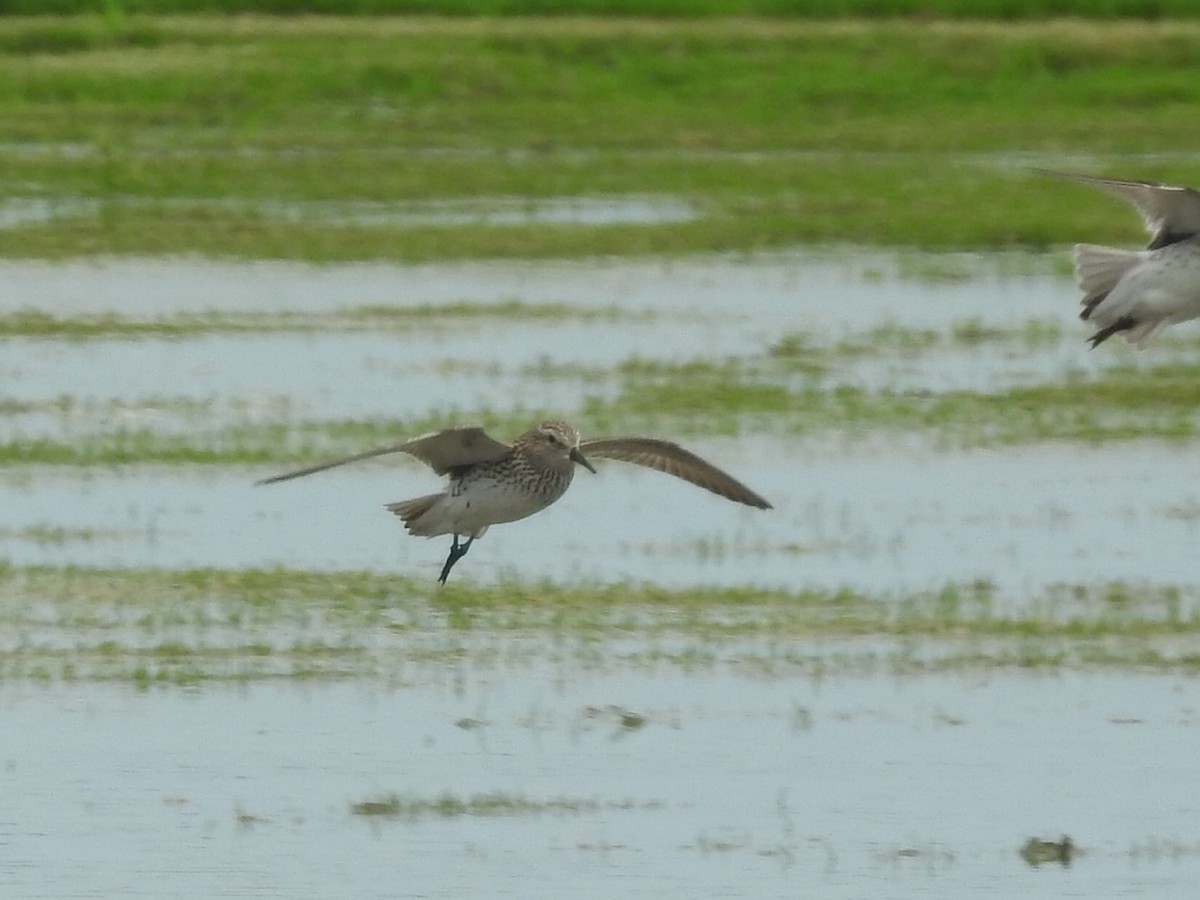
1166, 285
471, 506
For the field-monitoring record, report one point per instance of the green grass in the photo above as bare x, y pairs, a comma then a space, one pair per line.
448, 806
802, 9
399, 318
224, 136
149, 627
893, 339
1118, 404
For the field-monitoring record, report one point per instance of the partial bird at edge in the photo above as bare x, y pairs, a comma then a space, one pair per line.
1136, 293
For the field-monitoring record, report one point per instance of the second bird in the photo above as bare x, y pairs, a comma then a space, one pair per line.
1138, 292
492, 482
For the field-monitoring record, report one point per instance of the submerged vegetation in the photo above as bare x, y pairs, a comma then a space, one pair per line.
1124, 404
795, 387
39, 324
168, 626
393, 806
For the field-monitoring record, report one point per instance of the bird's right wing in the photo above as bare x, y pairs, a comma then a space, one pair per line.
440, 450
674, 460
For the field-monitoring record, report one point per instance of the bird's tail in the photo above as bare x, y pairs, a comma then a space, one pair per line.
1142, 333
1098, 269
411, 512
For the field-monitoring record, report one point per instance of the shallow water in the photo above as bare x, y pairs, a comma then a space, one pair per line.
1020, 518
900, 517
706, 308
823, 292
731, 787
769, 784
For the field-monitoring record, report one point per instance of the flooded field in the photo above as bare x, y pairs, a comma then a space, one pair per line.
911, 520
862, 507
962, 626
542, 783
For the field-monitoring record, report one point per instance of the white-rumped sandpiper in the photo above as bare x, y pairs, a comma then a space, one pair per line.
493, 482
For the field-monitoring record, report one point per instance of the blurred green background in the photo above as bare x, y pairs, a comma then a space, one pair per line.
123, 130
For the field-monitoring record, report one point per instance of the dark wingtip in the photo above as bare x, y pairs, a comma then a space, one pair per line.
275, 479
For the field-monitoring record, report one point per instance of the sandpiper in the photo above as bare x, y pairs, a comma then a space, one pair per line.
493, 482
1138, 292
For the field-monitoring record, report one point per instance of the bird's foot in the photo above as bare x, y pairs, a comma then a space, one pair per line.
457, 552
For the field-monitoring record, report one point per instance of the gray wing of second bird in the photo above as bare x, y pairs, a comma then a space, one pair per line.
674, 460
1171, 212
442, 451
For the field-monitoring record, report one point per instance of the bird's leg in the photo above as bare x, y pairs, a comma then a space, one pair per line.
457, 552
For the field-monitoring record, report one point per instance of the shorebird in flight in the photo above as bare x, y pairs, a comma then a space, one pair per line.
491, 482
1138, 292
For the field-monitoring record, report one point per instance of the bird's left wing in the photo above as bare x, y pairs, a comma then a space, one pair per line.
674, 460
1171, 212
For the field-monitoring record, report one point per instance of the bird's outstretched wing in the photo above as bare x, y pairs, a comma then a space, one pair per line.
674, 460
442, 451
1171, 212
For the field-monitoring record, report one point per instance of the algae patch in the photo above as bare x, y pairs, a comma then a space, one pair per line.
450, 806
32, 323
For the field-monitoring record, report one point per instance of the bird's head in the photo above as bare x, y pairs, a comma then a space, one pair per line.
558, 441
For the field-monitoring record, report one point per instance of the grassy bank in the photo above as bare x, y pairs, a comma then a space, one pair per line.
345, 138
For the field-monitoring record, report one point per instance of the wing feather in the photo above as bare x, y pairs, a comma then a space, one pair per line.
1171, 212
442, 451
668, 457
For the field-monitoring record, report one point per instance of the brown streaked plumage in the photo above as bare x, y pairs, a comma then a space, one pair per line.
492, 482
1138, 292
